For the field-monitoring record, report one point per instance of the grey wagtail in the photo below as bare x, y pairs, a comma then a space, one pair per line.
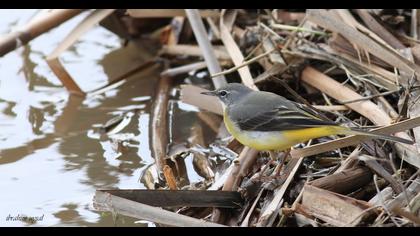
268, 122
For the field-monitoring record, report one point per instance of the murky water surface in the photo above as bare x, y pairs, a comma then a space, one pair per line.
51, 156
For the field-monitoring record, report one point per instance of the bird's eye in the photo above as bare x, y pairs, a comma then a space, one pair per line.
223, 93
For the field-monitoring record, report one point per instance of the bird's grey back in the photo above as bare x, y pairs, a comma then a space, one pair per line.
257, 102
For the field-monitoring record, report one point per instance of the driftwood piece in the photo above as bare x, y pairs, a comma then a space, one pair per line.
205, 46
107, 202
333, 208
34, 28
345, 181
159, 135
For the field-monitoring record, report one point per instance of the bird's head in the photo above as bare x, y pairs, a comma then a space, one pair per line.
230, 93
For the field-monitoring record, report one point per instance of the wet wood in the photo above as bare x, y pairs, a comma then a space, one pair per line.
345, 181
180, 198
104, 201
159, 123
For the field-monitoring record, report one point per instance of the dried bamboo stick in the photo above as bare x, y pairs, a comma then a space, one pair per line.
107, 202
353, 140
235, 53
325, 19
379, 29
336, 90
206, 47
366, 108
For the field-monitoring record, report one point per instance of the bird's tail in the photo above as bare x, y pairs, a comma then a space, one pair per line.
357, 131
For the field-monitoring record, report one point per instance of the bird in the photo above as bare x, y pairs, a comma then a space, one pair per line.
266, 121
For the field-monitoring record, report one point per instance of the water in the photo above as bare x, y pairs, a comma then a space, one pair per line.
51, 158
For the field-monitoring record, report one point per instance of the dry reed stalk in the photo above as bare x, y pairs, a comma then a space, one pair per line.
366, 108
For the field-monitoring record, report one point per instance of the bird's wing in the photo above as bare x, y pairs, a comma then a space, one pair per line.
282, 118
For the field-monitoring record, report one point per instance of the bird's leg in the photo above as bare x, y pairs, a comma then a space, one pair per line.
273, 155
283, 159
273, 158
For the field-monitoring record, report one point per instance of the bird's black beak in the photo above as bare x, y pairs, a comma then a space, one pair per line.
209, 93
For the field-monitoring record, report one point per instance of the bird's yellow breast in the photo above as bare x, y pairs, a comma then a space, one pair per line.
275, 140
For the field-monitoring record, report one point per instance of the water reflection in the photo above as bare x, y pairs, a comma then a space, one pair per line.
48, 163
